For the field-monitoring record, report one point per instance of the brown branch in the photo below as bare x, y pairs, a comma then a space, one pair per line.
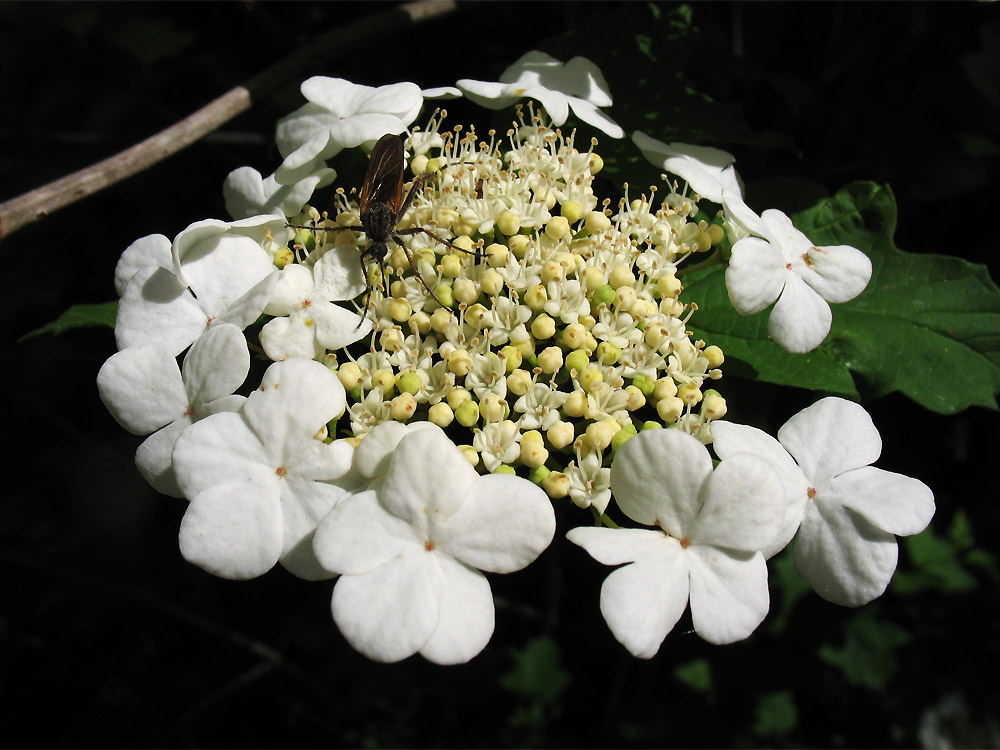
40, 202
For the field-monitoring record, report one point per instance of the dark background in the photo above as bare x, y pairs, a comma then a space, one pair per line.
107, 637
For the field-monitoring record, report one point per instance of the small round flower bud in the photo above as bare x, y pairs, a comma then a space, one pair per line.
402, 407
543, 327
669, 286
577, 360
591, 278
496, 255
552, 271
535, 297
350, 375
445, 294
596, 163
636, 398
492, 408
600, 434
574, 336
589, 378
533, 453
465, 243
399, 309
664, 388
604, 295
645, 384
538, 474
451, 266
441, 319
283, 256
419, 322
702, 242
575, 404
714, 356
625, 298
459, 362
418, 164
670, 409
504, 469
457, 396
556, 228
470, 453
518, 245
560, 434
621, 276
511, 357
671, 307
444, 217
572, 210
690, 393
465, 291
385, 378
467, 414
654, 335
550, 359
518, 382
440, 414
397, 259
474, 315
409, 382
714, 405
621, 436
509, 223
651, 425
391, 339
608, 353
597, 222
556, 485
716, 233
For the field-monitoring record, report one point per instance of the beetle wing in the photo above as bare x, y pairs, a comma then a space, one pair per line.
384, 180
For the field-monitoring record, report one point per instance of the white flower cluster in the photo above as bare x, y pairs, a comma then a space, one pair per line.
528, 344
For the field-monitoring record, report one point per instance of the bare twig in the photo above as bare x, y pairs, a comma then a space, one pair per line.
42, 201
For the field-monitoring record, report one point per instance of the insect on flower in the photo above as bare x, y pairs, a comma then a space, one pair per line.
382, 205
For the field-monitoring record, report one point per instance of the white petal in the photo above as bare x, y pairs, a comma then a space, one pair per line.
217, 364
582, 77
304, 503
363, 128
141, 386
293, 287
838, 273
843, 557
830, 437
246, 308
218, 450
617, 546
729, 596
152, 250
233, 530
338, 275
359, 535
296, 398
243, 192
591, 115
289, 338
756, 275
657, 476
891, 502
643, 601
220, 268
743, 505
467, 615
376, 449
487, 94
336, 326
392, 611
502, 526
152, 458
157, 309
801, 319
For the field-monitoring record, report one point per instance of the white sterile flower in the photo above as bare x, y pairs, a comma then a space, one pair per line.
152, 251
706, 549
578, 85
787, 267
308, 321
340, 115
220, 275
847, 512
409, 551
146, 393
260, 480
247, 193
498, 443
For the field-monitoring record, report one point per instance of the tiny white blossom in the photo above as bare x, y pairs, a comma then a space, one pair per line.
410, 549
498, 443
706, 549
847, 513
787, 267
578, 85
590, 482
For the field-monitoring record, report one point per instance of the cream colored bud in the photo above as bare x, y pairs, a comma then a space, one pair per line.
636, 399
543, 327
470, 453
519, 382
445, 217
283, 256
574, 336
589, 378
350, 375
451, 266
457, 396
572, 210
716, 233
625, 298
464, 243
441, 319
465, 290
399, 309
467, 414
509, 223
402, 407
550, 359
714, 356
654, 335
533, 453
496, 255
459, 363
535, 297
600, 434
474, 315
621, 276
592, 278
385, 378
671, 307
391, 339
597, 222
669, 286
519, 244
664, 388
596, 163
608, 353
492, 408
690, 393
440, 414
556, 485
420, 322
418, 165
575, 404
397, 259
557, 227
552, 271
713, 406
560, 434
670, 409
702, 242
491, 282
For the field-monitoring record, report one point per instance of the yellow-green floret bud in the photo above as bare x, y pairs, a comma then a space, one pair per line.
604, 295
511, 357
420, 322
575, 404
556, 228
589, 378
651, 425
574, 336
572, 210
457, 396
600, 434
451, 266
459, 362
714, 356
543, 327
669, 286
577, 360
496, 255
470, 453
621, 276
702, 241
538, 474
664, 388
467, 414
504, 469
518, 245
621, 436
283, 256
645, 384
716, 233
596, 163
491, 282
399, 309
474, 315
690, 393
597, 222
608, 353
445, 293
591, 278
509, 223
465, 290
409, 382
385, 378
440, 414
636, 398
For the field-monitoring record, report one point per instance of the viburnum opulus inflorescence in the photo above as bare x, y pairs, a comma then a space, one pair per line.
563, 329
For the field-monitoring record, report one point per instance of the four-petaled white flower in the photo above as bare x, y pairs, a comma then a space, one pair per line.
410, 549
307, 322
847, 513
260, 481
787, 267
146, 392
247, 193
578, 85
340, 115
706, 549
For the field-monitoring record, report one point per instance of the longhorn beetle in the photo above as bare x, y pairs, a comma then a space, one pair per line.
382, 205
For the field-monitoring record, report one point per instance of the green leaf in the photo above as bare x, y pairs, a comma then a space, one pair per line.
868, 657
927, 325
536, 674
941, 562
695, 674
78, 316
776, 714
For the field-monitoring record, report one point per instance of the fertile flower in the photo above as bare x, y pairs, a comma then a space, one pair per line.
847, 512
340, 115
248, 194
711, 526
220, 273
578, 85
787, 267
261, 480
410, 548
145, 391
